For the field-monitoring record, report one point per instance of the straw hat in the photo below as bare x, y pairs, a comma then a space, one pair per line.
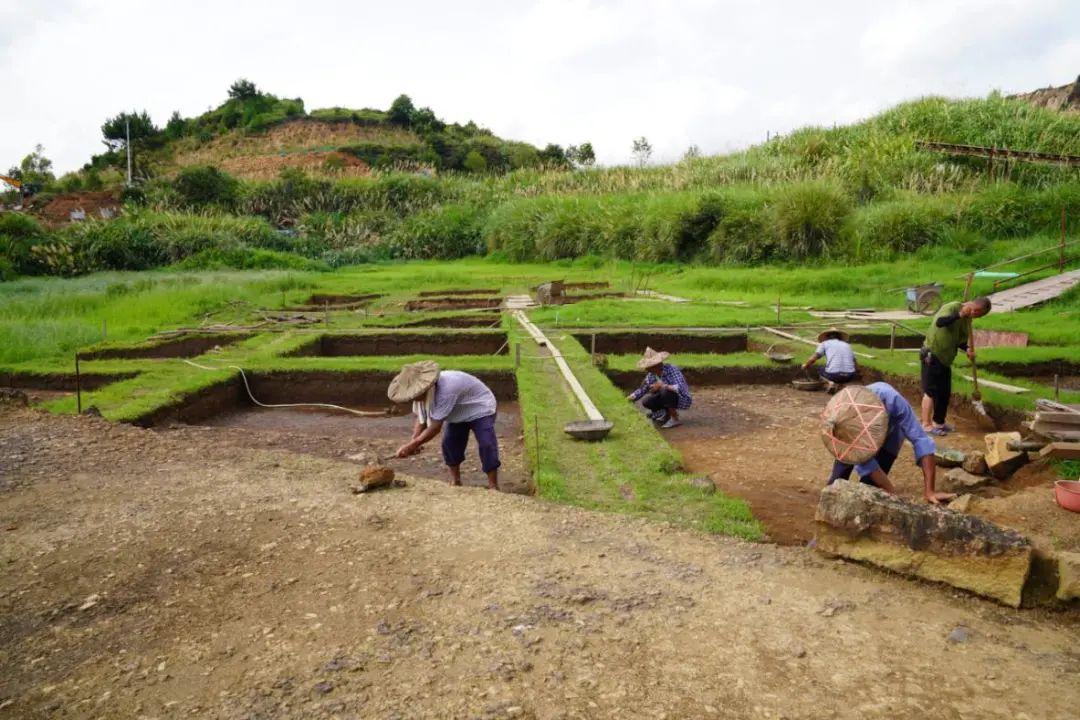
832, 331
854, 424
413, 381
652, 358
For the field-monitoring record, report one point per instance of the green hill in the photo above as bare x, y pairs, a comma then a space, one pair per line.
261, 182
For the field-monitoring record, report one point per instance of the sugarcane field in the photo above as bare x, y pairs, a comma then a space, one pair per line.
363, 413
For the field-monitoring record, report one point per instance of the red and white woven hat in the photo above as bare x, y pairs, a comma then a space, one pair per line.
854, 424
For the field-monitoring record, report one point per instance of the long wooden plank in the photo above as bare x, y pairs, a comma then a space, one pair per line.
1062, 450
587, 404
1068, 418
1011, 389
796, 338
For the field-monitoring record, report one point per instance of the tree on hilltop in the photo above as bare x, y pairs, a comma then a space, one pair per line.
114, 130
642, 151
581, 155
243, 89
402, 111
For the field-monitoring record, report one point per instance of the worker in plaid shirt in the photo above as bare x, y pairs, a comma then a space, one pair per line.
664, 389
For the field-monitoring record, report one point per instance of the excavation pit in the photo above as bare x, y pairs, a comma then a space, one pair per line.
226, 407
480, 319
634, 343
761, 443
182, 347
457, 343
1043, 372
62, 383
453, 303
335, 302
458, 291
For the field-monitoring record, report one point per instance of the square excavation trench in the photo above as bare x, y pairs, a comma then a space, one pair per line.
335, 302
634, 343
458, 343
758, 439
182, 347
1043, 372
463, 302
226, 408
458, 291
476, 319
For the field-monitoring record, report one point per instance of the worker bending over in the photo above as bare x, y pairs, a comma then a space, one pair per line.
864, 428
664, 389
454, 403
840, 367
950, 329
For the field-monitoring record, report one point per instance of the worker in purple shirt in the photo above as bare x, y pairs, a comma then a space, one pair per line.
865, 427
664, 390
453, 403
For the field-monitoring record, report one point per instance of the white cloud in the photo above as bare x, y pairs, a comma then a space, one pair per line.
717, 74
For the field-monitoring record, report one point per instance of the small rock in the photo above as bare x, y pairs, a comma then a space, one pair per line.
704, 483
962, 503
323, 688
958, 635
765, 600
959, 480
975, 463
372, 477
90, 601
798, 651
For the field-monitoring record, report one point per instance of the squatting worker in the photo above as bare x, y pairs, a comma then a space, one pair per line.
864, 428
949, 330
453, 403
664, 389
840, 367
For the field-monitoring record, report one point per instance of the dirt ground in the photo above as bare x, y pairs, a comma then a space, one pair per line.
367, 440
184, 574
761, 443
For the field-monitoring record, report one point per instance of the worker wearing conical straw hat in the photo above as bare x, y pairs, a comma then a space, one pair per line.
864, 428
840, 367
664, 389
453, 403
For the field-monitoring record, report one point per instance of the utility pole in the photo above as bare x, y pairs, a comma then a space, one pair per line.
127, 131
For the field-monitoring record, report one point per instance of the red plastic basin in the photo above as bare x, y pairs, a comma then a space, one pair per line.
1067, 494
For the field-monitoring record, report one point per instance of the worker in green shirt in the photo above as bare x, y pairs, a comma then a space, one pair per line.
949, 330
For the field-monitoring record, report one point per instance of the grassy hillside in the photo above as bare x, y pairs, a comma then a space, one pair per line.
862, 193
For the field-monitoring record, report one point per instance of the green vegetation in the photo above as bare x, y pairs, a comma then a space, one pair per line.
862, 193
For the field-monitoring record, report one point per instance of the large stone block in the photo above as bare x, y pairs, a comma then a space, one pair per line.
863, 523
1000, 460
1068, 576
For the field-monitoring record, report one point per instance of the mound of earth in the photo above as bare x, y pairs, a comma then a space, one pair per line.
57, 209
178, 574
1065, 97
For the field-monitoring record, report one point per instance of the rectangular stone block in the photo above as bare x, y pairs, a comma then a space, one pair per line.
863, 523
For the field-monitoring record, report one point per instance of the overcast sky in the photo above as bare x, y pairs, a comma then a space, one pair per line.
715, 74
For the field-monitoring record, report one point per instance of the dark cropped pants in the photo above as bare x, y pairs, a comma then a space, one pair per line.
456, 439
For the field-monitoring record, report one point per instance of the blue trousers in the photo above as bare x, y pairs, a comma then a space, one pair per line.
456, 439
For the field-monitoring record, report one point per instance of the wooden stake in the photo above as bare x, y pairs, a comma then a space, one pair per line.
592, 348
892, 338
778, 309
1061, 244
967, 288
78, 386
1057, 389
536, 435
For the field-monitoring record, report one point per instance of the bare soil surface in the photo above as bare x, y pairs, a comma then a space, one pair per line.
761, 443
364, 440
182, 574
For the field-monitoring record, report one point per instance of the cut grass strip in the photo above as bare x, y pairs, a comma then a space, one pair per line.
632, 471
